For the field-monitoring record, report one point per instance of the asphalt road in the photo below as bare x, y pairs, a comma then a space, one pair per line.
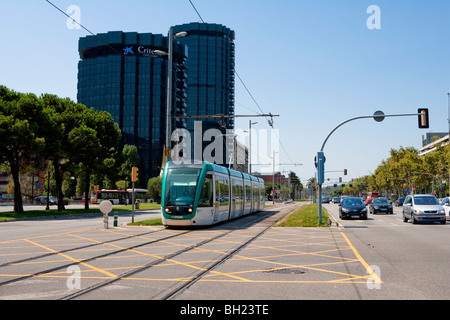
379, 258
412, 259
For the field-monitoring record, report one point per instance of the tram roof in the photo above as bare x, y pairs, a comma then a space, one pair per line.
216, 168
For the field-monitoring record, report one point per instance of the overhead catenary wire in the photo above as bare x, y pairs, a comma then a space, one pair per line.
270, 121
64, 13
198, 13
268, 116
95, 35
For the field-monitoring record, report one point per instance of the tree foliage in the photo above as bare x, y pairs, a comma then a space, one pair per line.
154, 187
406, 169
21, 140
402, 171
73, 138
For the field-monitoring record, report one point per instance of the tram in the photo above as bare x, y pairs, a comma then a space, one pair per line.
205, 194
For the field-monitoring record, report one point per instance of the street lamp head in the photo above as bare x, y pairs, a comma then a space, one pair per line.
160, 53
180, 34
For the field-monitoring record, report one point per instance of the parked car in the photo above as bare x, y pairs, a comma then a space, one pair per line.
399, 201
422, 207
43, 200
352, 207
380, 205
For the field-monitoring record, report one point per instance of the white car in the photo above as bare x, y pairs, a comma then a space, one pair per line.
446, 205
422, 207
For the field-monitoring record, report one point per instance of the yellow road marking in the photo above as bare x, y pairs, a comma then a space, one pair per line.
73, 259
233, 276
372, 273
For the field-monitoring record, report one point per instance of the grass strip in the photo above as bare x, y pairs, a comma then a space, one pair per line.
56, 213
153, 222
305, 216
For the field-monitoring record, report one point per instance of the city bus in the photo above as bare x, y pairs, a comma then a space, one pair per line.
370, 196
141, 195
119, 196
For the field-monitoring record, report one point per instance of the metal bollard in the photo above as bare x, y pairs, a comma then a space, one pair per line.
105, 220
115, 218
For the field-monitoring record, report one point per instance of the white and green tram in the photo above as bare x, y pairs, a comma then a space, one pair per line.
205, 194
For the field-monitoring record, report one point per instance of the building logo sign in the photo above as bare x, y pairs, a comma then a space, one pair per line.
128, 50
141, 51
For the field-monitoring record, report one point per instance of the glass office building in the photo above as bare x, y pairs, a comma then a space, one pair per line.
123, 74
211, 74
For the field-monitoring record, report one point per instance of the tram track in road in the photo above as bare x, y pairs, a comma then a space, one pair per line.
46, 255
180, 289
63, 252
254, 219
241, 232
142, 268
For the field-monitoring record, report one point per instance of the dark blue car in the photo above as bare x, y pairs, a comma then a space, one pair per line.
352, 208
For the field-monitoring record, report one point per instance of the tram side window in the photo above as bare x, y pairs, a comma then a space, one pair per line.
237, 192
206, 195
248, 192
224, 192
255, 193
217, 187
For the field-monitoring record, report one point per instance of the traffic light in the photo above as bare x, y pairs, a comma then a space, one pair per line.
345, 172
134, 174
423, 118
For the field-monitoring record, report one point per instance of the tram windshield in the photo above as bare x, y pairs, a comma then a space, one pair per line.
181, 184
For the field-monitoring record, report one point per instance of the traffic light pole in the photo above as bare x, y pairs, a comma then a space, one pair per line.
377, 116
133, 199
134, 178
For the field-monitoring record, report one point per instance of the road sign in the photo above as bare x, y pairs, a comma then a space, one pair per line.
320, 160
105, 208
378, 116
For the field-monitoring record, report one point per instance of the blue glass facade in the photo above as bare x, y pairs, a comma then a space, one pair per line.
121, 73
211, 73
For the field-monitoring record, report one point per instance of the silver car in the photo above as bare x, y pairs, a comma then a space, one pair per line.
421, 207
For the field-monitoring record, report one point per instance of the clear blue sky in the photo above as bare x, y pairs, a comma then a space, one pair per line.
313, 62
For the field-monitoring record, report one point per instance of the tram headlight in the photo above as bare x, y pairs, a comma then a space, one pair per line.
190, 210
167, 210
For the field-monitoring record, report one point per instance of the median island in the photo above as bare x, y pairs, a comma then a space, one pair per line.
305, 216
4, 216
